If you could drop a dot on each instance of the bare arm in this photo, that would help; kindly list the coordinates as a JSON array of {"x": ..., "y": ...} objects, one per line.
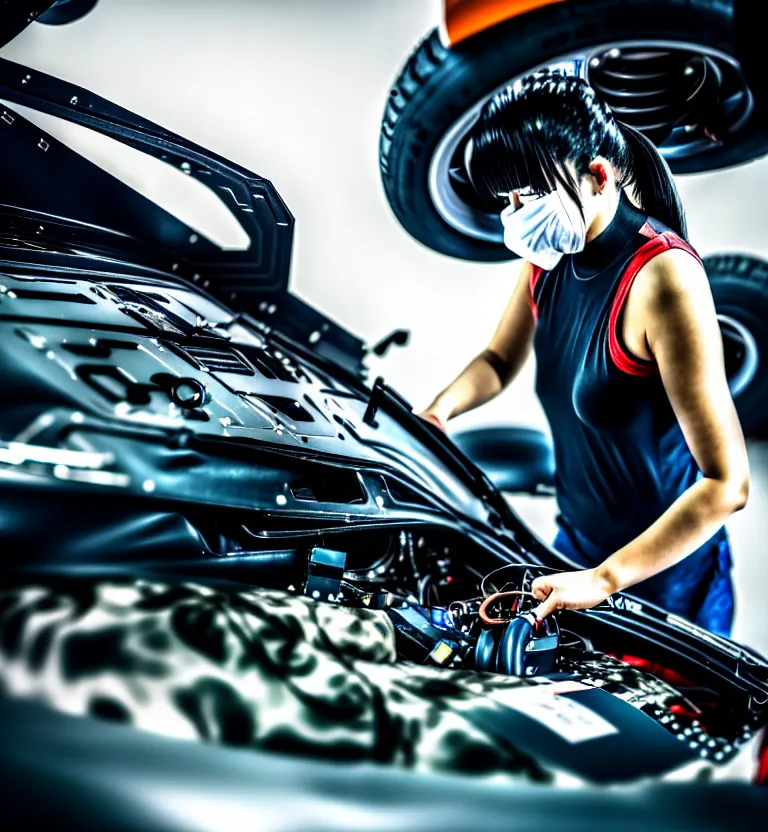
[
  {"x": 497, "y": 366},
  {"x": 683, "y": 336}
]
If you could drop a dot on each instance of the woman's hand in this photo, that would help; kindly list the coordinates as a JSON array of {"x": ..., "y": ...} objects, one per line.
[
  {"x": 431, "y": 416},
  {"x": 570, "y": 591}
]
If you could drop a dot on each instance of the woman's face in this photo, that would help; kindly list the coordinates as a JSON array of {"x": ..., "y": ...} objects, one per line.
[
  {"x": 595, "y": 195},
  {"x": 541, "y": 228}
]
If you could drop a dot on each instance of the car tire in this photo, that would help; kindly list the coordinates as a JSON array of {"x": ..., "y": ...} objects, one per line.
[
  {"x": 440, "y": 90},
  {"x": 740, "y": 290},
  {"x": 66, "y": 11}
]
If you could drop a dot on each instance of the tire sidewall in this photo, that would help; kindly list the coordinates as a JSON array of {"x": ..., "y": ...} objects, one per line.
[{"x": 740, "y": 290}]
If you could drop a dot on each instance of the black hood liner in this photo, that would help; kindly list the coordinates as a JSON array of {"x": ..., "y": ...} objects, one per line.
[{"x": 48, "y": 179}]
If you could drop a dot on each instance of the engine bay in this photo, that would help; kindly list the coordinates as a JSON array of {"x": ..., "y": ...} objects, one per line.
[{"x": 495, "y": 632}]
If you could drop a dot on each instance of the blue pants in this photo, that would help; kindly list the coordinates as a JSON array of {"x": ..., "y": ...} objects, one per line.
[{"x": 699, "y": 588}]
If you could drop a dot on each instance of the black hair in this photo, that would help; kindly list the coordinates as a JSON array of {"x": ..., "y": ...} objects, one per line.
[{"x": 523, "y": 138}]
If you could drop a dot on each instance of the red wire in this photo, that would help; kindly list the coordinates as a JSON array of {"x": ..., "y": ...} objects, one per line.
[
  {"x": 489, "y": 600},
  {"x": 761, "y": 772}
]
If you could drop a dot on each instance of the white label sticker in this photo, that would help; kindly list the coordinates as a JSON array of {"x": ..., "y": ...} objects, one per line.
[{"x": 570, "y": 719}]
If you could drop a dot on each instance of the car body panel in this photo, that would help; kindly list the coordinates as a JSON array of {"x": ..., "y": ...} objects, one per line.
[
  {"x": 90, "y": 770},
  {"x": 464, "y": 18}
]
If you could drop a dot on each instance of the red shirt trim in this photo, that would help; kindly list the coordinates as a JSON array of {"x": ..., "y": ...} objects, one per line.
[
  {"x": 657, "y": 243},
  {"x": 536, "y": 273}
]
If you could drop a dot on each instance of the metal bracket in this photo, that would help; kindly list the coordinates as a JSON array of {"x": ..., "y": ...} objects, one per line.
[{"x": 325, "y": 569}]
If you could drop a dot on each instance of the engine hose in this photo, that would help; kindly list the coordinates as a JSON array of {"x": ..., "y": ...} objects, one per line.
[
  {"x": 510, "y": 658},
  {"x": 485, "y": 650}
]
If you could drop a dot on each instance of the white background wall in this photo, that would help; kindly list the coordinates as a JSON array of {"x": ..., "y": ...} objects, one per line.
[{"x": 294, "y": 90}]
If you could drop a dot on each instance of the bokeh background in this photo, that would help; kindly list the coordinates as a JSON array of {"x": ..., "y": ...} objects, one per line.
[{"x": 294, "y": 90}]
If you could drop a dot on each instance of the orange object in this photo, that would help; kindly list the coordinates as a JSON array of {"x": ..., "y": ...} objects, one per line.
[{"x": 464, "y": 18}]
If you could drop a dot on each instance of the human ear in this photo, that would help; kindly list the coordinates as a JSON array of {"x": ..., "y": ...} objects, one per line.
[{"x": 599, "y": 174}]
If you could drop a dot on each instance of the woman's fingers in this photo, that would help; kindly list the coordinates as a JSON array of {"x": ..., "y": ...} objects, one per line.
[
  {"x": 541, "y": 588},
  {"x": 568, "y": 591},
  {"x": 548, "y": 606},
  {"x": 427, "y": 416}
]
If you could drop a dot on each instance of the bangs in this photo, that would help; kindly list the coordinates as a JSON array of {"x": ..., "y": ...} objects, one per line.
[{"x": 505, "y": 155}]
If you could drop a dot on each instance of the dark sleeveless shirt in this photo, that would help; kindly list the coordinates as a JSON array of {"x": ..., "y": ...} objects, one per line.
[{"x": 621, "y": 458}]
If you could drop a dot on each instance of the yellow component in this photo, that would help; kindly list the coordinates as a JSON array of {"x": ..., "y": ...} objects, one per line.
[
  {"x": 464, "y": 18},
  {"x": 441, "y": 652}
]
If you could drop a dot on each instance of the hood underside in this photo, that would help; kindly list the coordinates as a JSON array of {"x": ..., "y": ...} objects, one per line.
[{"x": 54, "y": 193}]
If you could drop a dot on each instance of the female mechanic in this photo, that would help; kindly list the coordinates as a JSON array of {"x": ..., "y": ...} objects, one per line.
[{"x": 616, "y": 306}]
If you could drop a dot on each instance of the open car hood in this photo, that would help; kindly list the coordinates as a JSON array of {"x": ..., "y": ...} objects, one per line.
[
  {"x": 113, "y": 310},
  {"x": 57, "y": 206},
  {"x": 52, "y": 186}
]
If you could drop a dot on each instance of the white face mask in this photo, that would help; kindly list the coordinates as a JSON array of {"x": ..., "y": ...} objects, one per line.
[{"x": 543, "y": 230}]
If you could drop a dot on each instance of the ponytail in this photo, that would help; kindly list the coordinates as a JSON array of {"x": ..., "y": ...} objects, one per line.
[{"x": 652, "y": 181}]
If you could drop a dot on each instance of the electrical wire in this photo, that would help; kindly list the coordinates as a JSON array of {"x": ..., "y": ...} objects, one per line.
[
  {"x": 578, "y": 641},
  {"x": 483, "y": 591},
  {"x": 528, "y": 575},
  {"x": 482, "y": 612}
]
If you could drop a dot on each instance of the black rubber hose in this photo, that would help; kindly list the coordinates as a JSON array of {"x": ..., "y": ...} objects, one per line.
[{"x": 510, "y": 657}]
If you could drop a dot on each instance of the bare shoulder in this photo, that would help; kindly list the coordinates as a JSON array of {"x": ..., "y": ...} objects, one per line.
[{"x": 672, "y": 280}]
